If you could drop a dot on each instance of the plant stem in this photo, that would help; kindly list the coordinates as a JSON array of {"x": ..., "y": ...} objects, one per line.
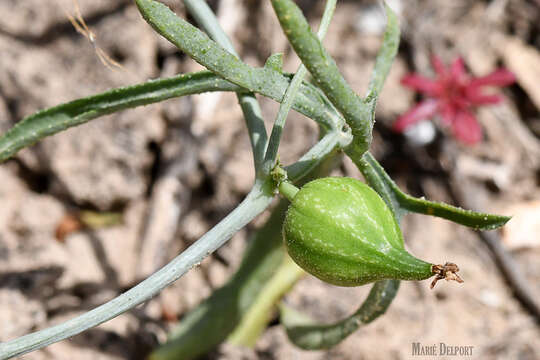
[
  {"x": 206, "y": 18},
  {"x": 288, "y": 190},
  {"x": 385, "y": 56},
  {"x": 329, "y": 143},
  {"x": 256, "y": 202},
  {"x": 256, "y": 319},
  {"x": 250, "y": 107},
  {"x": 266, "y": 81},
  {"x": 290, "y": 94},
  {"x": 209, "y": 323},
  {"x": 326, "y": 73}
]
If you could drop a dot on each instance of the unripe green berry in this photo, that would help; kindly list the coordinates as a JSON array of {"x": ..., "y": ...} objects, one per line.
[{"x": 341, "y": 231}]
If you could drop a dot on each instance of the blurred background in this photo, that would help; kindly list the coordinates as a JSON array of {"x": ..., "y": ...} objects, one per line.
[{"x": 86, "y": 214}]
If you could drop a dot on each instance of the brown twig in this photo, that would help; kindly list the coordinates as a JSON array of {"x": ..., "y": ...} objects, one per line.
[
  {"x": 511, "y": 273},
  {"x": 505, "y": 263}
]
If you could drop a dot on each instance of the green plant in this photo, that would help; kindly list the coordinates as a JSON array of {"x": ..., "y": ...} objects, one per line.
[{"x": 238, "y": 311}]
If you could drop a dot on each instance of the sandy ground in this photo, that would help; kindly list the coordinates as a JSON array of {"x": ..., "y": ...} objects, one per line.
[{"x": 175, "y": 169}]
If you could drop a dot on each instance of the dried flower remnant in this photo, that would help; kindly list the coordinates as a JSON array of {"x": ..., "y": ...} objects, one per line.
[
  {"x": 68, "y": 225},
  {"x": 82, "y": 28},
  {"x": 85, "y": 219},
  {"x": 447, "y": 272},
  {"x": 453, "y": 94}
]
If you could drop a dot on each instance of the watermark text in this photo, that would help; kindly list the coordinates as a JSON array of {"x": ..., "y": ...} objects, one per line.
[{"x": 441, "y": 349}]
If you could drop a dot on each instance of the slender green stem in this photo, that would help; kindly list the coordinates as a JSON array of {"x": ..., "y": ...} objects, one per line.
[
  {"x": 385, "y": 56},
  {"x": 255, "y": 320},
  {"x": 250, "y": 107},
  {"x": 206, "y": 18},
  {"x": 266, "y": 81},
  {"x": 210, "y": 322},
  {"x": 290, "y": 94},
  {"x": 255, "y": 203},
  {"x": 288, "y": 190},
  {"x": 326, "y": 73},
  {"x": 330, "y": 143}
]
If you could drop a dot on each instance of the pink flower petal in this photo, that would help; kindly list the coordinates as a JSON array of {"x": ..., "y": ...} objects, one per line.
[
  {"x": 421, "y": 84},
  {"x": 477, "y": 98},
  {"x": 458, "y": 69},
  {"x": 438, "y": 66},
  {"x": 500, "y": 77},
  {"x": 421, "y": 111},
  {"x": 448, "y": 113},
  {"x": 466, "y": 128}
]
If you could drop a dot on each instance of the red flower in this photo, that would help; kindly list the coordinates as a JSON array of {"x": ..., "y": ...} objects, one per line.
[{"x": 452, "y": 94}]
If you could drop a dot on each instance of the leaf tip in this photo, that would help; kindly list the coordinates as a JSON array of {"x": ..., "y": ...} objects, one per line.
[{"x": 275, "y": 62}]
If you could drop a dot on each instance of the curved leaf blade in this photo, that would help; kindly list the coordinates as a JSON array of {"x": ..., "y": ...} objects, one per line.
[
  {"x": 290, "y": 94},
  {"x": 53, "y": 120},
  {"x": 402, "y": 203},
  {"x": 308, "y": 335}
]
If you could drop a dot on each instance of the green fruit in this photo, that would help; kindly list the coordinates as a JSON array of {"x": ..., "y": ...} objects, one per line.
[{"x": 340, "y": 230}]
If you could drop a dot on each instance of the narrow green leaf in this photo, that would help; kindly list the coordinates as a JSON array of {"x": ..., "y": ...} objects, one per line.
[
  {"x": 266, "y": 80},
  {"x": 204, "y": 16},
  {"x": 308, "y": 335},
  {"x": 401, "y": 202},
  {"x": 326, "y": 73},
  {"x": 472, "y": 219},
  {"x": 53, "y": 120},
  {"x": 385, "y": 56}
]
